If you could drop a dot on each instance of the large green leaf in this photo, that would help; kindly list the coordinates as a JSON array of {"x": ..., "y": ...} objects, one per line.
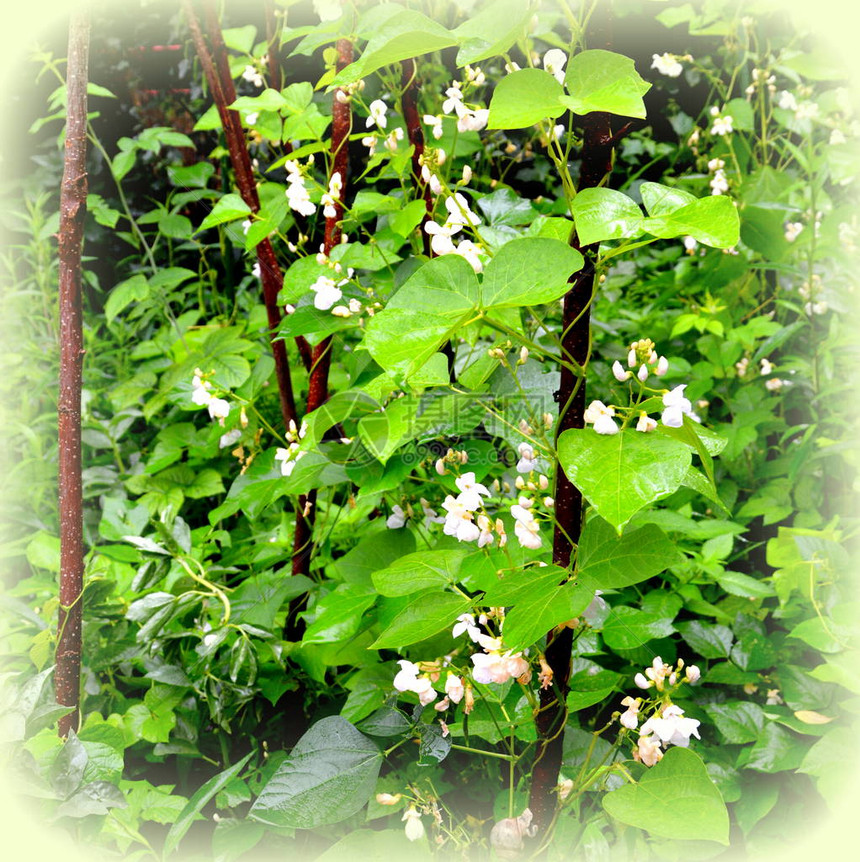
[
  {"x": 339, "y": 615},
  {"x": 629, "y": 628},
  {"x": 419, "y": 571},
  {"x": 430, "y": 306},
  {"x": 613, "y": 561},
  {"x": 329, "y": 776},
  {"x": 711, "y": 221},
  {"x": 536, "y": 614},
  {"x": 604, "y": 81},
  {"x": 491, "y": 31},
  {"x": 661, "y": 200},
  {"x": 622, "y": 473},
  {"x": 674, "y": 799},
  {"x": 405, "y": 34},
  {"x": 524, "y": 98},
  {"x": 428, "y": 613},
  {"x": 603, "y": 213},
  {"x": 529, "y": 271}
]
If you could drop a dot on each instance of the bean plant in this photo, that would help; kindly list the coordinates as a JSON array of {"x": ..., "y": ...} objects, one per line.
[{"x": 466, "y": 421}]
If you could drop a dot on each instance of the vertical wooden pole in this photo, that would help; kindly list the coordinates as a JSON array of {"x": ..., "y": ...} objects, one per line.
[
  {"x": 73, "y": 207},
  {"x": 596, "y": 164}
]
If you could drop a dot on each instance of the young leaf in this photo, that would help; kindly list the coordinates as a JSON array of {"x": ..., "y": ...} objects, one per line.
[
  {"x": 329, "y": 776},
  {"x": 491, "y": 31},
  {"x": 405, "y": 34},
  {"x": 196, "y": 803},
  {"x": 229, "y": 208}
]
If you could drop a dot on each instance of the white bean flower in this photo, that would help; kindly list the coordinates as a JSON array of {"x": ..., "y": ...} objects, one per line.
[{"x": 554, "y": 62}]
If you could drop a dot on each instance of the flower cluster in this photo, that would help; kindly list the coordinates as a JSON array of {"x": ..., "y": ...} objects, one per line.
[
  {"x": 495, "y": 664},
  {"x": 721, "y": 125},
  {"x": 331, "y": 197},
  {"x": 202, "y": 394},
  {"x": 419, "y": 679},
  {"x": 643, "y": 357},
  {"x": 297, "y": 194},
  {"x": 667, "y": 724},
  {"x": 459, "y": 216},
  {"x": 252, "y": 75},
  {"x": 719, "y": 184},
  {"x": 761, "y": 80},
  {"x": 468, "y": 119},
  {"x": 669, "y": 64},
  {"x": 290, "y": 456}
]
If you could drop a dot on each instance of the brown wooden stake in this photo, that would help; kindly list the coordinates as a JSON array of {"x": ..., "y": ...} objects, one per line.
[
  {"x": 73, "y": 208},
  {"x": 596, "y": 164},
  {"x": 217, "y": 71},
  {"x": 341, "y": 125}
]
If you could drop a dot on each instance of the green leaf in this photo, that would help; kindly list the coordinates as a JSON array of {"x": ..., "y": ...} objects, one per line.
[
  {"x": 240, "y": 39},
  {"x": 622, "y": 473},
  {"x": 662, "y": 200},
  {"x": 547, "y": 606},
  {"x": 528, "y": 271},
  {"x": 742, "y": 585},
  {"x": 419, "y": 571},
  {"x": 828, "y": 763},
  {"x": 196, "y": 803},
  {"x": 523, "y": 98},
  {"x": 329, "y": 776},
  {"x": 385, "y": 721},
  {"x": 405, "y": 34},
  {"x": 229, "y": 208},
  {"x": 776, "y": 750},
  {"x": 406, "y": 220},
  {"x": 613, "y": 561},
  {"x": 338, "y": 615},
  {"x": 430, "y": 306},
  {"x": 259, "y": 597},
  {"x": 604, "y": 81},
  {"x": 711, "y": 221},
  {"x": 491, "y": 31},
  {"x": 422, "y": 618},
  {"x": 629, "y": 628},
  {"x": 602, "y": 213},
  {"x": 739, "y": 722},
  {"x": 268, "y": 100},
  {"x": 134, "y": 289},
  {"x": 707, "y": 641},
  {"x": 678, "y": 783}
]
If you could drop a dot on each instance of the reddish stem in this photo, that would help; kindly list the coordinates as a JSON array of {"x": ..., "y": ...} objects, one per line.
[
  {"x": 73, "y": 208},
  {"x": 217, "y": 71}
]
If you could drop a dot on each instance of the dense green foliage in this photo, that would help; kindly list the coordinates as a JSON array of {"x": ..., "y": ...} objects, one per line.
[{"x": 234, "y": 710}]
